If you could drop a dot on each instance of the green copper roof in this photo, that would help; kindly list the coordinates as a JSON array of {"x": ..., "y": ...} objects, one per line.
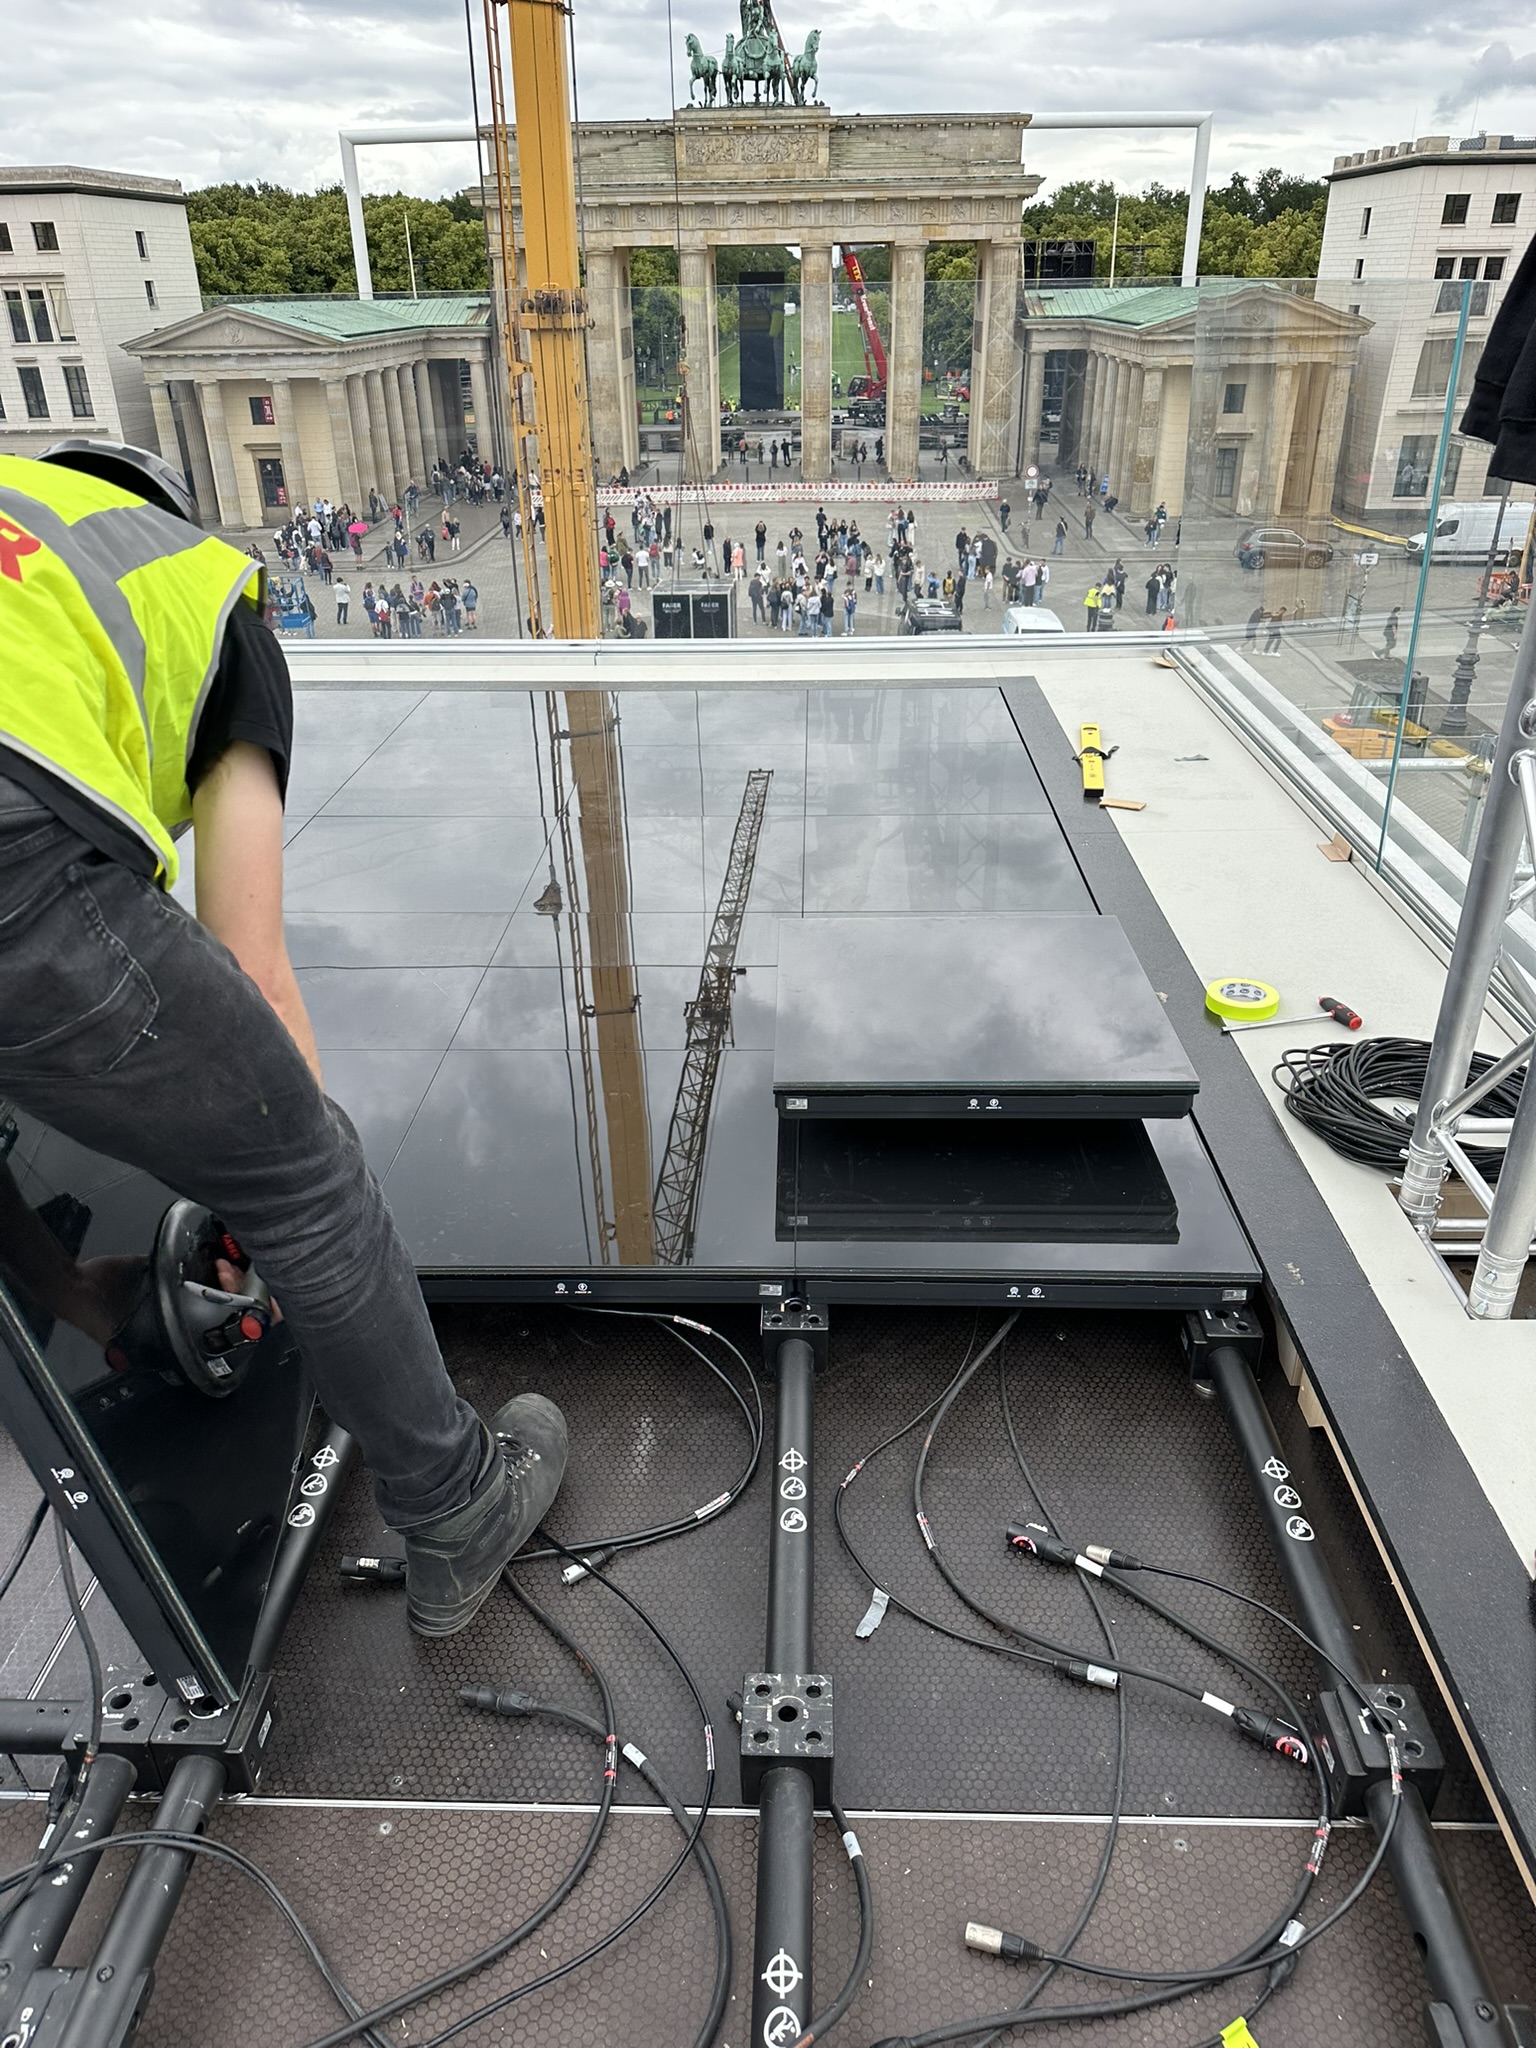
[
  {"x": 1131, "y": 305},
  {"x": 356, "y": 319}
]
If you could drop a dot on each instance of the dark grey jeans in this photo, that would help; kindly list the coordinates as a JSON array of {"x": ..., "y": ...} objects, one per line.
[{"x": 128, "y": 1027}]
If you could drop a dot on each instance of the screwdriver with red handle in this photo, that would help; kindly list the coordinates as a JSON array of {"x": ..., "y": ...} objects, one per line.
[{"x": 1341, "y": 1013}]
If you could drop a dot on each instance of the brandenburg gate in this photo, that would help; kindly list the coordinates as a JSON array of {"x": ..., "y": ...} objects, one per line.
[{"x": 750, "y": 177}]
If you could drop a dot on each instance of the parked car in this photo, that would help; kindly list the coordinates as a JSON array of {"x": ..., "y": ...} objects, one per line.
[
  {"x": 1279, "y": 547},
  {"x": 929, "y": 615},
  {"x": 1465, "y": 532},
  {"x": 1031, "y": 618}
]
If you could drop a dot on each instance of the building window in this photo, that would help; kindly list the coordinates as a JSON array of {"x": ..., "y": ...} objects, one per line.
[
  {"x": 149, "y": 291},
  {"x": 45, "y": 234},
  {"x": 1415, "y": 459},
  {"x": 1470, "y": 265},
  {"x": 63, "y": 318},
  {"x": 261, "y": 413},
  {"x": 1454, "y": 212},
  {"x": 5, "y": 239},
  {"x": 42, "y": 326},
  {"x": 2, "y": 408},
  {"x": 1493, "y": 269},
  {"x": 1433, "y": 372},
  {"x": 1359, "y": 266},
  {"x": 1506, "y": 209},
  {"x": 1449, "y": 299},
  {"x": 1365, "y": 223},
  {"x": 1234, "y": 398},
  {"x": 79, "y": 391},
  {"x": 1226, "y": 472},
  {"x": 32, "y": 391},
  {"x": 1479, "y": 304},
  {"x": 141, "y": 244},
  {"x": 1445, "y": 266},
  {"x": 1355, "y": 308},
  {"x": 18, "y": 316}
]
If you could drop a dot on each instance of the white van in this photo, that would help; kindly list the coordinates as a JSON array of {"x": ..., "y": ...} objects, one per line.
[{"x": 1464, "y": 532}]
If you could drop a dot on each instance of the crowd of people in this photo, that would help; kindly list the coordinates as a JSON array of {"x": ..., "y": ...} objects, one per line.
[{"x": 404, "y": 612}]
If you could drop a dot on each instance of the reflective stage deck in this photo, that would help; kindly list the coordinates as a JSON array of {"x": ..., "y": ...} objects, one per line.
[{"x": 499, "y": 904}]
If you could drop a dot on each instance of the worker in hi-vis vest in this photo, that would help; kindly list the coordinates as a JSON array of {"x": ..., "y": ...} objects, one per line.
[{"x": 140, "y": 692}]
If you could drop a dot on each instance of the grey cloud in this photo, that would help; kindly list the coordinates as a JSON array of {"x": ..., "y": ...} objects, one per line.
[{"x": 1498, "y": 70}]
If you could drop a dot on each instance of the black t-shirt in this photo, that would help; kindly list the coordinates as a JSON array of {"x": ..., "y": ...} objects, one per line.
[{"x": 250, "y": 698}]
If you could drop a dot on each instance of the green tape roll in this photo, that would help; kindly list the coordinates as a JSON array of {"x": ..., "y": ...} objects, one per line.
[{"x": 1241, "y": 999}]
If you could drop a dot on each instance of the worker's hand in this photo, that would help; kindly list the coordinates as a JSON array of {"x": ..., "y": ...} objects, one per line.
[{"x": 232, "y": 1280}]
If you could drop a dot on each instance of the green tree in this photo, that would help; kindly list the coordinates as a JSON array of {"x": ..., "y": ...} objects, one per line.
[
  {"x": 237, "y": 228},
  {"x": 1267, "y": 226},
  {"x": 237, "y": 255}
]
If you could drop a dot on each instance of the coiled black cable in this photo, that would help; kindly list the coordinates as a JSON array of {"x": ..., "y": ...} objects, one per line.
[{"x": 1337, "y": 1091}]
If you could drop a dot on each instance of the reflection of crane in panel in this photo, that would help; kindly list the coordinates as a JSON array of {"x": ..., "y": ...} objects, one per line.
[{"x": 676, "y": 1205}]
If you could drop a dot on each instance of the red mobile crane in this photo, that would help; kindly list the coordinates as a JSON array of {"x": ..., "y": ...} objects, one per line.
[{"x": 872, "y": 383}]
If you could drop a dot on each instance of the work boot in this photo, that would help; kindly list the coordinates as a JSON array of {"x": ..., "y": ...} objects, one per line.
[{"x": 453, "y": 1562}]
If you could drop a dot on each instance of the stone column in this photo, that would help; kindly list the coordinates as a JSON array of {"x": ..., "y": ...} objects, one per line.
[
  {"x": 1109, "y": 412},
  {"x": 605, "y": 369},
  {"x": 394, "y": 416},
  {"x": 1082, "y": 455},
  {"x": 1147, "y": 424},
  {"x": 1116, "y": 463},
  {"x": 165, "y": 421},
  {"x": 378, "y": 426},
  {"x": 1277, "y": 441},
  {"x": 816, "y": 361},
  {"x": 415, "y": 447},
  {"x": 485, "y": 418},
  {"x": 904, "y": 386},
  {"x": 1034, "y": 398},
  {"x": 197, "y": 451},
  {"x": 426, "y": 412},
  {"x": 288, "y": 437},
  {"x": 362, "y": 440},
  {"x": 701, "y": 344},
  {"x": 1330, "y": 441},
  {"x": 995, "y": 355},
  {"x": 348, "y": 491},
  {"x": 226, "y": 486}
]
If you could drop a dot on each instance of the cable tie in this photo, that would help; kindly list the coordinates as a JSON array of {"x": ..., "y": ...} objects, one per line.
[
  {"x": 1211, "y": 1699},
  {"x": 635, "y": 1756},
  {"x": 922, "y": 1523},
  {"x": 1292, "y": 1933},
  {"x": 851, "y": 1844},
  {"x": 687, "y": 1323},
  {"x": 849, "y": 1477},
  {"x": 1237, "y": 2035},
  {"x": 1320, "y": 1835},
  {"x": 709, "y": 1747},
  {"x": 874, "y": 1613},
  {"x": 711, "y": 1507},
  {"x": 1087, "y": 1564}
]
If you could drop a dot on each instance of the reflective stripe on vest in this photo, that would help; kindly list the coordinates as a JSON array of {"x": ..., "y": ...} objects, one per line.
[{"x": 112, "y": 615}]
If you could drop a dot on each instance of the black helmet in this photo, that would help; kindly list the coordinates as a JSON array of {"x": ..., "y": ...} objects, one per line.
[{"x": 132, "y": 469}]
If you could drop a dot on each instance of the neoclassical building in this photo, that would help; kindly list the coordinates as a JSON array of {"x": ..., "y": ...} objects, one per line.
[
  {"x": 806, "y": 178},
  {"x": 268, "y": 403},
  {"x": 1226, "y": 399}
]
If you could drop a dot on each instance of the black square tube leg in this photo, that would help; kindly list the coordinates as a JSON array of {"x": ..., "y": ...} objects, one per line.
[
  {"x": 781, "y": 1966},
  {"x": 1465, "y": 2013}
]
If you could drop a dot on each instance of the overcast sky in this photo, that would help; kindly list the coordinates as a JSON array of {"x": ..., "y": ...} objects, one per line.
[{"x": 204, "y": 90}]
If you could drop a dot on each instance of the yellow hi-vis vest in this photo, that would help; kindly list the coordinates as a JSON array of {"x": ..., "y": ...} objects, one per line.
[{"x": 112, "y": 613}]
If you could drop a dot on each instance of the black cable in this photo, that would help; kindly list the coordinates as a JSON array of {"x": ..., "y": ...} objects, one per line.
[
  {"x": 1334, "y": 1090},
  {"x": 605, "y": 1547},
  {"x": 643, "y": 1766},
  {"x": 23, "y": 1549},
  {"x": 444, "y": 1980},
  {"x": 88, "y": 1644},
  {"x": 823, "y": 2022},
  {"x": 596, "y": 1948}
]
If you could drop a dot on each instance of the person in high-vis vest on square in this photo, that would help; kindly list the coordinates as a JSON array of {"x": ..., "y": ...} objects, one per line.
[{"x": 140, "y": 692}]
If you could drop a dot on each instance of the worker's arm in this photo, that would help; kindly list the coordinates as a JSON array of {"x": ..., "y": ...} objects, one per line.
[{"x": 237, "y": 814}]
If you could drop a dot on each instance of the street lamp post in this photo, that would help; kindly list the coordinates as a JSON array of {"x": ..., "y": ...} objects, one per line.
[{"x": 1454, "y": 724}]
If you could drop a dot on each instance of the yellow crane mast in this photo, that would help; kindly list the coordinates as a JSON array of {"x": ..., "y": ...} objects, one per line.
[{"x": 547, "y": 307}]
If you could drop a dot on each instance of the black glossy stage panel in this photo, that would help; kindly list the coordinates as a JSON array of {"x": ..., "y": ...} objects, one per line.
[
  {"x": 540, "y": 937},
  {"x": 972, "y": 1017}
]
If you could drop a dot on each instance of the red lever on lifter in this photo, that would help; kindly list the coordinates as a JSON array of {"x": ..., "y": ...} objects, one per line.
[{"x": 1341, "y": 1013}]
